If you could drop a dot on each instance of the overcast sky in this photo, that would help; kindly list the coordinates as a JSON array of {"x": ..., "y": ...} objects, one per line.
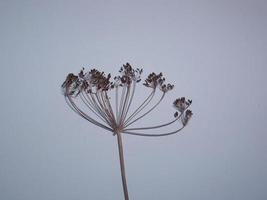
[{"x": 214, "y": 52}]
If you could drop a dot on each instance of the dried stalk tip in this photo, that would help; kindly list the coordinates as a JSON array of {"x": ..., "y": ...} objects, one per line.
[
  {"x": 93, "y": 80},
  {"x": 157, "y": 80},
  {"x": 181, "y": 104},
  {"x": 99, "y": 80},
  {"x": 186, "y": 117},
  {"x": 128, "y": 75},
  {"x": 71, "y": 85}
]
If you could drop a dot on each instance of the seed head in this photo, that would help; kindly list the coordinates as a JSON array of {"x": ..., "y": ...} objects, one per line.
[
  {"x": 93, "y": 88},
  {"x": 186, "y": 117},
  {"x": 181, "y": 104}
]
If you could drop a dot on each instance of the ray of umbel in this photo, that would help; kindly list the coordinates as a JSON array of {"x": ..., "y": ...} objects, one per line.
[{"x": 89, "y": 95}]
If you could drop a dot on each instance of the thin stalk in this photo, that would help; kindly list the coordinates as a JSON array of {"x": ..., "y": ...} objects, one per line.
[
  {"x": 158, "y": 126},
  {"x": 122, "y": 166},
  {"x": 129, "y": 123},
  {"x": 141, "y": 107},
  {"x": 109, "y": 107},
  {"x": 154, "y": 135},
  {"x": 153, "y": 127},
  {"x": 121, "y": 104},
  {"x": 131, "y": 99},
  {"x": 73, "y": 106},
  {"x": 88, "y": 104},
  {"x": 124, "y": 105},
  {"x": 116, "y": 103},
  {"x": 100, "y": 111}
]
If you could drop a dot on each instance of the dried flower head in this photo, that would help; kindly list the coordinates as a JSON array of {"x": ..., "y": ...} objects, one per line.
[
  {"x": 89, "y": 95},
  {"x": 181, "y": 104},
  {"x": 157, "y": 80},
  {"x": 186, "y": 117}
]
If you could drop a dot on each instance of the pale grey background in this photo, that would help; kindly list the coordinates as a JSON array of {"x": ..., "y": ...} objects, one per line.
[{"x": 214, "y": 52}]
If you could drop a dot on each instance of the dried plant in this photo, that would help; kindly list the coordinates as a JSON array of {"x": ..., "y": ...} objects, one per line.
[{"x": 88, "y": 94}]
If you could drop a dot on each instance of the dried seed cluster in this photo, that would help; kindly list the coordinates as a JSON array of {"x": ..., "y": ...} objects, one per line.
[
  {"x": 93, "y": 89},
  {"x": 128, "y": 75},
  {"x": 157, "y": 80}
]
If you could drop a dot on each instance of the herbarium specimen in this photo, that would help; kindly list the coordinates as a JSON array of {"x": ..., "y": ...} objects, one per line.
[{"x": 89, "y": 94}]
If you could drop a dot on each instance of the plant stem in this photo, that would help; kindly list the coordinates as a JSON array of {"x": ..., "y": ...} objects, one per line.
[{"x": 123, "y": 175}]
